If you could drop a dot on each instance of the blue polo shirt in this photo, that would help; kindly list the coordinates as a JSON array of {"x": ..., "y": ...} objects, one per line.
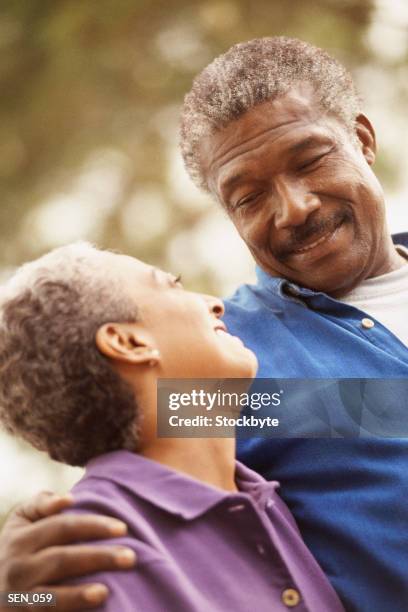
[{"x": 349, "y": 496}]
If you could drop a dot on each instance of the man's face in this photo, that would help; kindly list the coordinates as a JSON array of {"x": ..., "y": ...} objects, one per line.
[{"x": 300, "y": 192}]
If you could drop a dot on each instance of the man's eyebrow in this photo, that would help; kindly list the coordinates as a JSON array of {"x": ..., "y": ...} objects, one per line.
[
  {"x": 308, "y": 143},
  {"x": 232, "y": 180}
]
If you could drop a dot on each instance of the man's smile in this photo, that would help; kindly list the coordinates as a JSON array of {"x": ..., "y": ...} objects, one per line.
[
  {"x": 318, "y": 247},
  {"x": 314, "y": 243},
  {"x": 313, "y": 238}
]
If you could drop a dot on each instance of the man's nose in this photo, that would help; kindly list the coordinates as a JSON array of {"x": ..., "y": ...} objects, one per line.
[
  {"x": 294, "y": 205},
  {"x": 215, "y": 305}
]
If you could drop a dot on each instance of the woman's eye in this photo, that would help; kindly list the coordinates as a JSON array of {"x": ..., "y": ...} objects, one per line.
[{"x": 177, "y": 280}]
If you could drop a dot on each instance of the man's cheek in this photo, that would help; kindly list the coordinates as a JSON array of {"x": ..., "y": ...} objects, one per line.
[
  {"x": 255, "y": 233},
  {"x": 340, "y": 173}
]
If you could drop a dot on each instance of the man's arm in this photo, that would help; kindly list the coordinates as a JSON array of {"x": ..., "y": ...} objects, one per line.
[{"x": 37, "y": 550}]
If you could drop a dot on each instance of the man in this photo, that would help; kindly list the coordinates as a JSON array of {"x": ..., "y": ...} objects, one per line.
[{"x": 274, "y": 130}]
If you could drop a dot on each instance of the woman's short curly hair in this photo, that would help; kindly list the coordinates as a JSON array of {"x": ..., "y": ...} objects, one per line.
[
  {"x": 256, "y": 71},
  {"x": 56, "y": 389}
]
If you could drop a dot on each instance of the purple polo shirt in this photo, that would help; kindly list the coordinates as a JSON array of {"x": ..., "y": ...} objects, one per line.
[{"x": 199, "y": 548}]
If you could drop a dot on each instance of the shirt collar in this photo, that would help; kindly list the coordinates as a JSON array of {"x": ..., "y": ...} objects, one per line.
[
  {"x": 168, "y": 489},
  {"x": 288, "y": 290},
  {"x": 280, "y": 286}
]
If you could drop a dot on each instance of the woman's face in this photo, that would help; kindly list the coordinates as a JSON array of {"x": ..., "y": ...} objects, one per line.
[{"x": 185, "y": 327}]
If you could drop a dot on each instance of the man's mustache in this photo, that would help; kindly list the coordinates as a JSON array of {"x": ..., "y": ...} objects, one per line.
[{"x": 315, "y": 228}]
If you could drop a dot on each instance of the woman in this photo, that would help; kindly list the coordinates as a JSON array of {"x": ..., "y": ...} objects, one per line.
[{"x": 85, "y": 335}]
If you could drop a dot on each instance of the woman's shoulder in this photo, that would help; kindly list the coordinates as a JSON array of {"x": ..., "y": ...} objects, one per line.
[{"x": 104, "y": 497}]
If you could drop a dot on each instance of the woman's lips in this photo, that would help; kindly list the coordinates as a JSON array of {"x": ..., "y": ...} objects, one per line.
[
  {"x": 220, "y": 331},
  {"x": 220, "y": 327}
]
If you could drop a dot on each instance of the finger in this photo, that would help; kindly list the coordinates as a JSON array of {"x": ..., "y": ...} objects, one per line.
[
  {"x": 82, "y": 597},
  {"x": 47, "y": 505},
  {"x": 41, "y": 505},
  {"x": 62, "y": 562},
  {"x": 66, "y": 529}
]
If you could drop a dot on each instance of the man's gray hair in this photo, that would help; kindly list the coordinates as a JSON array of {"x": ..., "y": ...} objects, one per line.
[
  {"x": 254, "y": 72},
  {"x": 56, "y": 389}
]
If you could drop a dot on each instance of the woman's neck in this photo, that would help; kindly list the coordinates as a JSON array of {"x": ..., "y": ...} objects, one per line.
[{"x": 210, "y": 460}]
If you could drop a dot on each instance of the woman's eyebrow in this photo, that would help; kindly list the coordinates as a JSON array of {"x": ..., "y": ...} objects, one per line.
[
  {"x": 160, "y": 277},
  {"x": 155, "y": 275}
]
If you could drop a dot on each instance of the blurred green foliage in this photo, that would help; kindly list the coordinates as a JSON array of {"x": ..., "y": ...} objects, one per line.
[
  {"x": 79, "y": 78},
  {"x": 82, "y": 76}
]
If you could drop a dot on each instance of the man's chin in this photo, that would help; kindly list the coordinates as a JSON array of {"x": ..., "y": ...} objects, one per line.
[
  {"x": 327, "y": 281},
  {"x": 329, "y": 266}
]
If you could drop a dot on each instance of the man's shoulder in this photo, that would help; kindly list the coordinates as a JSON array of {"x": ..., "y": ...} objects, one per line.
[
  {"x": 400, "y": 238},
  {"x": 253, "y": 307},
  {"x": 250, "y": 297},
  {"x": 242, "y": 292}
]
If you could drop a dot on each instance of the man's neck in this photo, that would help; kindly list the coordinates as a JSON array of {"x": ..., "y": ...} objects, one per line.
[
  {"x": 387, "y": 261},
  {"x": 210, "y": 460},
  {"x": 392, "y": 260}
]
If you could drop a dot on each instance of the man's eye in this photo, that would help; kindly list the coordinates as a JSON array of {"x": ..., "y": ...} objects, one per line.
[
  {"x": 311, "y": 163},
  {"x": 248, "y": 199}
]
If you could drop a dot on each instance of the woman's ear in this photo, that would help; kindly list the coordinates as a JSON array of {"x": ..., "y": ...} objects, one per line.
[
  {"x": 366, "y": 135},
  {"x": 126, "y": 342}
]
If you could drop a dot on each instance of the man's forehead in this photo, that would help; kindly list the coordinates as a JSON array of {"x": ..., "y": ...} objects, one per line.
[
  {"x": 270, "y": 120},
  {"x": 278, "y": 149},
  {"x": 230, "y": 173}
]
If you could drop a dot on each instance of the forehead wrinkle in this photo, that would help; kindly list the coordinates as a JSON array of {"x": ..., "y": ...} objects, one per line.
[
  {"x": 230, "y": 179},
  {"x": 216, "y": 158},
  {"x": 215, "y": 173}
]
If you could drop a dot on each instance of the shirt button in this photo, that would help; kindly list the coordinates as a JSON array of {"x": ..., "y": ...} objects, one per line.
[
  {"x": 290, "y": 597},
  {"x": 270, "y": 503},
  {"x": 292, "y": 290},
  {"x": 367, "y": 323}
]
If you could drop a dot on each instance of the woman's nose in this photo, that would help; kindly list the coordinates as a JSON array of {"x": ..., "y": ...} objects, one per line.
[{"x": 215, "y": 305}]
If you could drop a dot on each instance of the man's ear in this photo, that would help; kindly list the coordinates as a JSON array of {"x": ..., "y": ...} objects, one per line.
[
  {"x": 126, "y": 342},
  {"x": 366, "y": 135}
]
